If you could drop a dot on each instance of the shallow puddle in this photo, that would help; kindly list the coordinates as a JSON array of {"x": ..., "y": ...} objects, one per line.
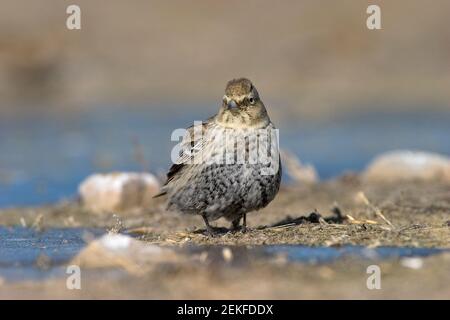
[
  {"x": 28, "y": 254},
  {"x": 312, "y": 255},
  {"x": 329, "y": 254}
]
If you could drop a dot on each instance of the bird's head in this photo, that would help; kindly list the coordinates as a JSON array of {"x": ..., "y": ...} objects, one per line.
[{"x": 241, "y": 106}]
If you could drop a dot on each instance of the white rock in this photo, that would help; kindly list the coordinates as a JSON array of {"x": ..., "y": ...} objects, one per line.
[
  {"x": 115, "y": 241},
  {"x": 124, "y": 252},
  {"x": 117, "y": 191},
  {"x": 412, "y": 263},
  {"x": 227, "y": 254},
  {"x": 298, "y": 171},
  {"x": 404, "y": 165}
]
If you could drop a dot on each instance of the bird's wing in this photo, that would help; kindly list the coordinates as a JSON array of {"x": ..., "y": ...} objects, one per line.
[{"x": 192, "y": 144}]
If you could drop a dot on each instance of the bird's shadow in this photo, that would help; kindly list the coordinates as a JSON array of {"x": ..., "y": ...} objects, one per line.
[
  {"x": 313, "y": 217},
  {"x": 218, "y": 231}
]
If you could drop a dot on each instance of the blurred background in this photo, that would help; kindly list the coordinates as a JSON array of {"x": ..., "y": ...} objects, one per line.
[{"x": 108, "y": 96}]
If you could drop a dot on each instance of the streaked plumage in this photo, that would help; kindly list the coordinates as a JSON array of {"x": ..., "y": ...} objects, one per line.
[{"x": 219, "y": 173}]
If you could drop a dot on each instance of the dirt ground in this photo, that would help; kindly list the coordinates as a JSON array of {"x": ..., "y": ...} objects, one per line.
[
  {"x": 409, "y": 214},
  {"x": 402, "y": 214}
]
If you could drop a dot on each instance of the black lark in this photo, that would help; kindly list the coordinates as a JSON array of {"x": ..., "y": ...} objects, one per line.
[{"x": 229, "y": 164}]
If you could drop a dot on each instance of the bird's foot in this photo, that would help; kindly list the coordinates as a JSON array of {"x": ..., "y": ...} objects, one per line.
[
  {"x": 238, "y": 228},
  {"x": 235, "y": 226},
  {"x": 215, "y": 231},
  {"x": 212, "y": 231}
]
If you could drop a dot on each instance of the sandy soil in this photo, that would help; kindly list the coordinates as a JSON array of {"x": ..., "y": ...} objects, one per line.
[{"x": 418, "y": 213}]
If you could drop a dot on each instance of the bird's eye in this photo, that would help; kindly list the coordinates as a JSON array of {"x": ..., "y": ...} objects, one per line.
[{"x": 251, "y": 100}]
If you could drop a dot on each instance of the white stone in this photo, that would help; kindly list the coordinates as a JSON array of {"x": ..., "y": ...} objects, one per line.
[
  {"x": 117, "y": 191},
  {"x": 401, "y": 165},
  {"x": 412, "y": 263},
  {"x": 298, "y": 171},
  {"x": 227, "y": 254},
  {"x": 124, "y": 252},
  {"x": 115, "y": 241}
]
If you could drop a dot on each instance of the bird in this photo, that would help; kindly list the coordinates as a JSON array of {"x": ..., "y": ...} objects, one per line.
[{"x": 229, "y": 164}]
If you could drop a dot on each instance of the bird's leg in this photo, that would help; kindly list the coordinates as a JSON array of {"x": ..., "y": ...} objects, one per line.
[
  {"x": 235, "y": 224},
  {"x": 244, "y": 223},
  {"x": 209, "y": 229}
]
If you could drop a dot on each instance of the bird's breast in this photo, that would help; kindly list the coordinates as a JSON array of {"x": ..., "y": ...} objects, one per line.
[{"x": 241, "y": 146}]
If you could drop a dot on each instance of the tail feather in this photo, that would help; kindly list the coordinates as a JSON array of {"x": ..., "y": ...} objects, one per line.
[{"x": 162, "y": 193}]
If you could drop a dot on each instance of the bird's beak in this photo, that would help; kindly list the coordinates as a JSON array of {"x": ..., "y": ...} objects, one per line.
[{"x": 231, "y": 104}]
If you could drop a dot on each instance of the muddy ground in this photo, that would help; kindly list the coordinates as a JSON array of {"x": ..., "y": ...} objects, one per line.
[{"x": 335, "y": 213}]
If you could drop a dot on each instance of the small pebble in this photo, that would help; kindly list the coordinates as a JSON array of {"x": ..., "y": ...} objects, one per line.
[
  {"x": 412, "y": 263},
  {"x": 227, "y": 254}
]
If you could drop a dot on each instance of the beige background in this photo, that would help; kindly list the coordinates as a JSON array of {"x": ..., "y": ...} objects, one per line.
[{"x": 308, "y": 58}]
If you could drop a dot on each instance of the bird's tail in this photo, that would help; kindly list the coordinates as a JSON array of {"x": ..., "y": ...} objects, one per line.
[{"x": 160, "y": 194}]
